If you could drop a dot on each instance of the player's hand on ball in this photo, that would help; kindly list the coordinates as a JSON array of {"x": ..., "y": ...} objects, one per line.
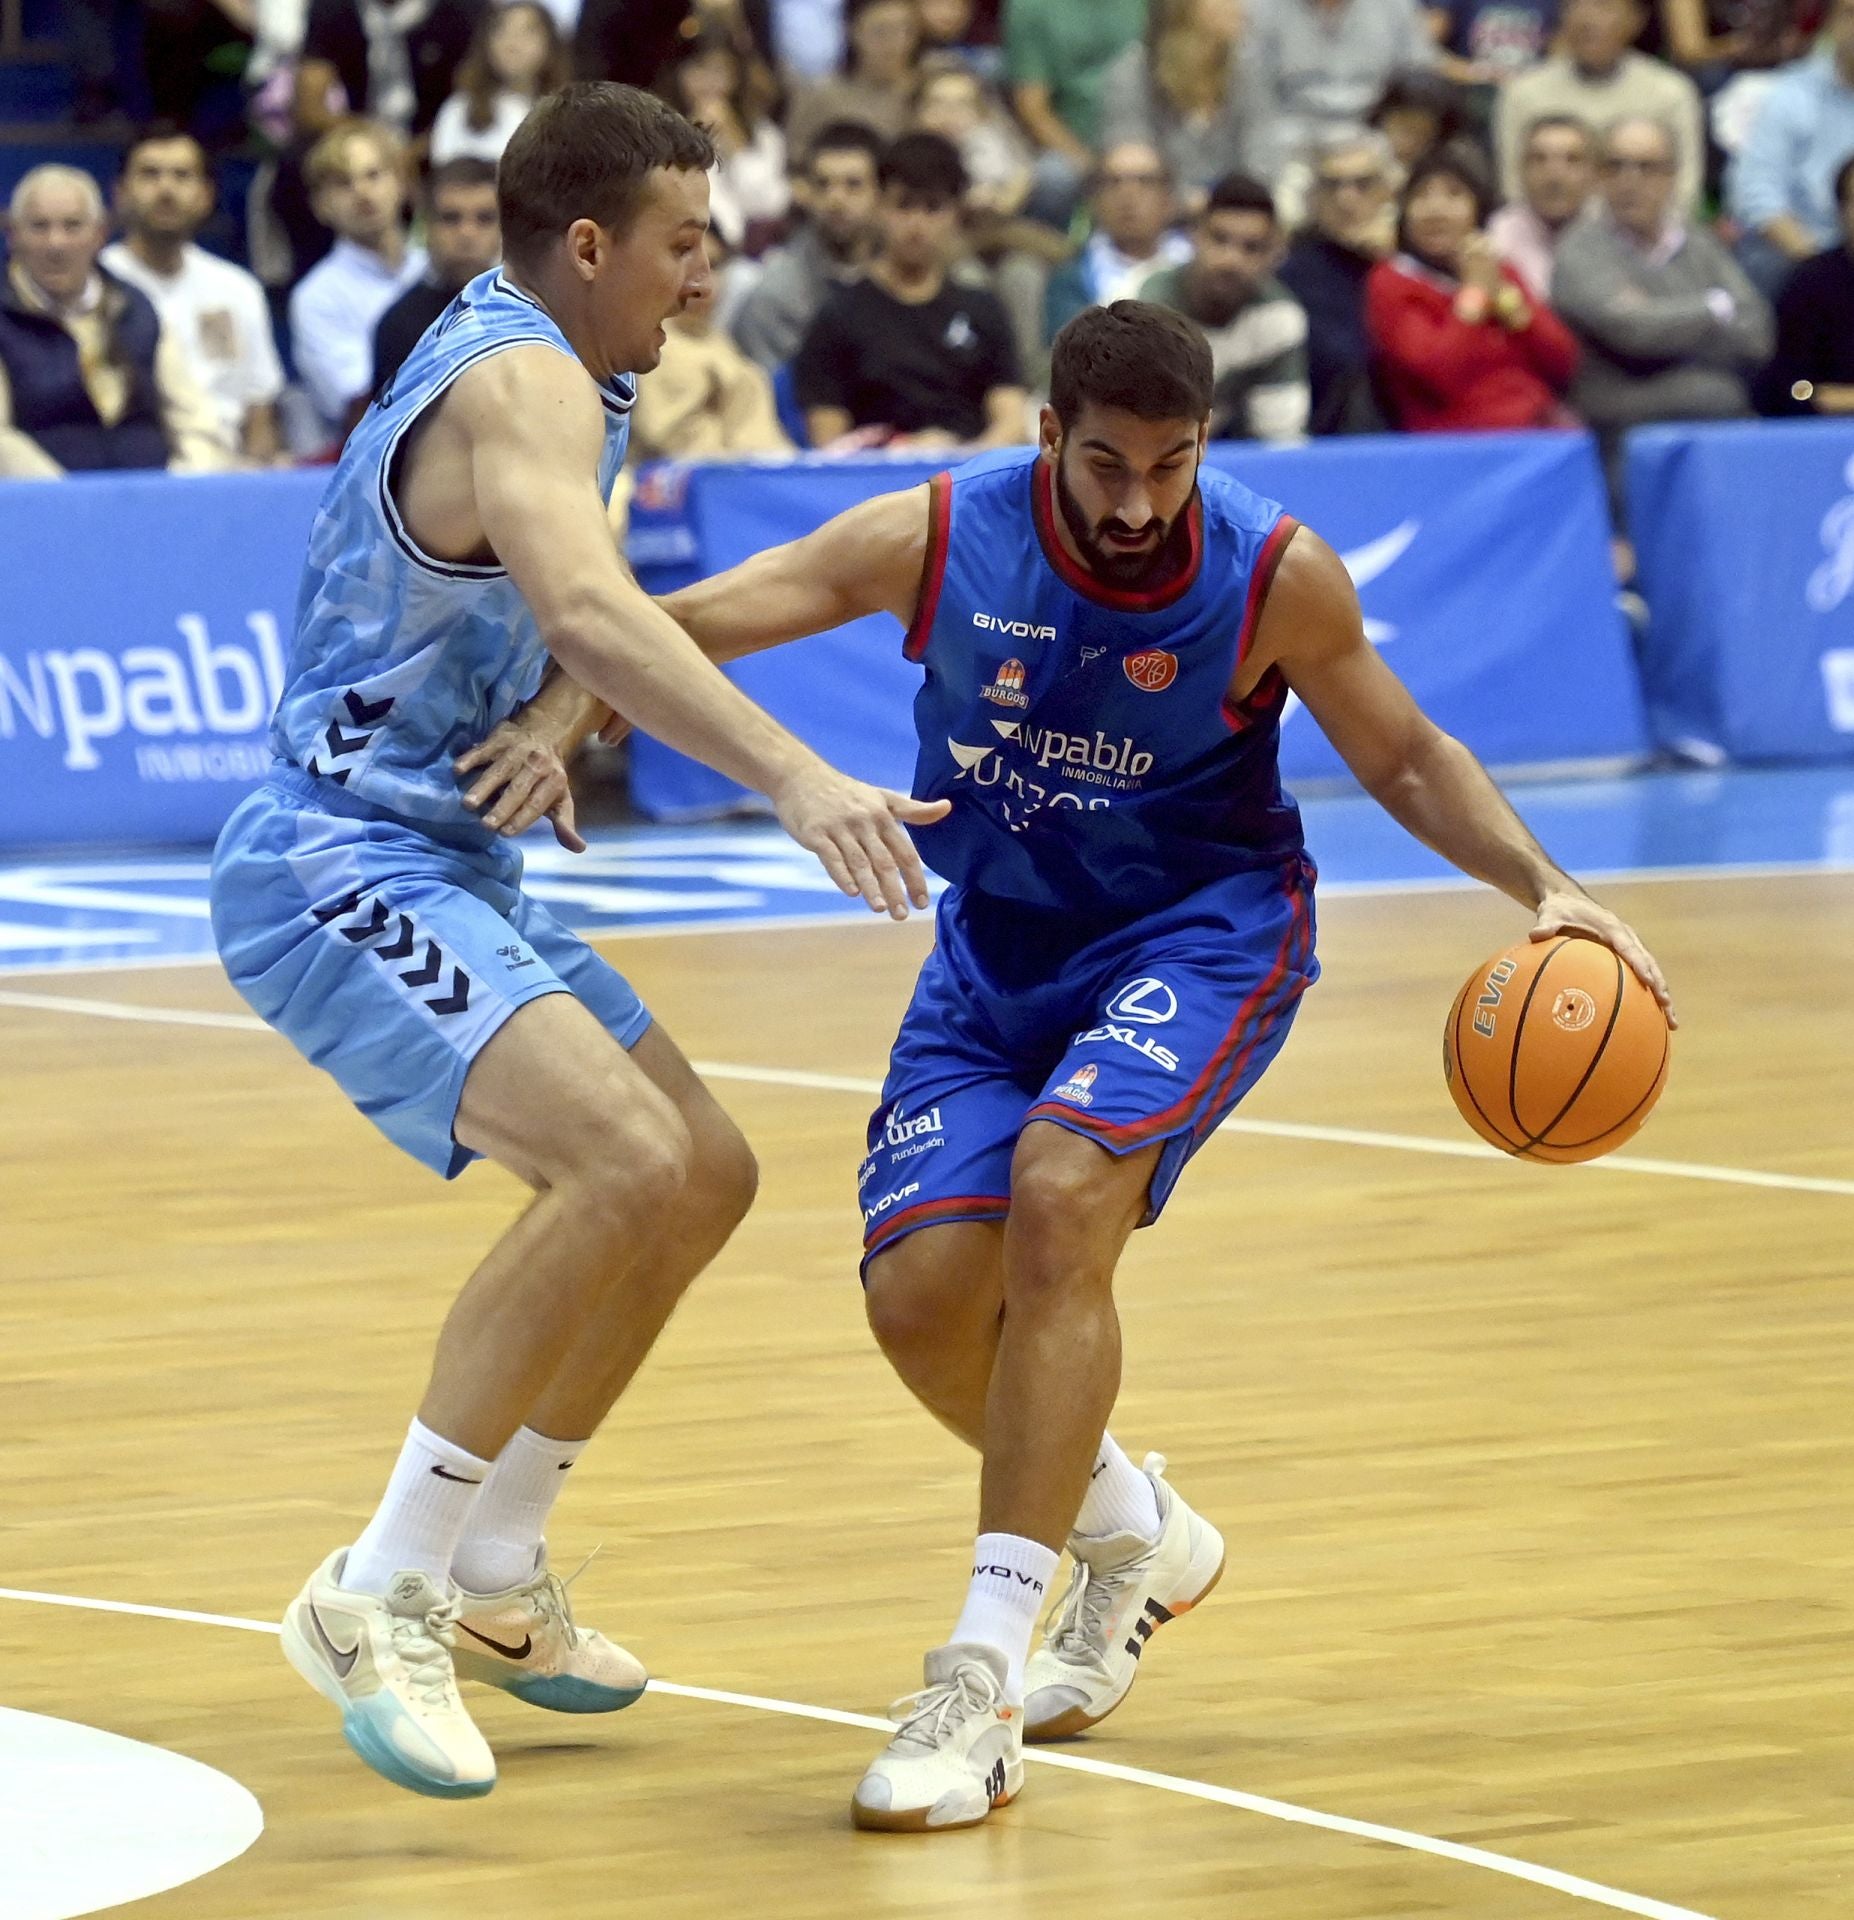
[
  {"x": 1578, "y": 913},
  {"x": 856, "y": 832},
  {"x": 522, "y": 779}
]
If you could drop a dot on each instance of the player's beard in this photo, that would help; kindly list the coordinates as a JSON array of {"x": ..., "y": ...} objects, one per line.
[{"x": 1127, "y": 572}]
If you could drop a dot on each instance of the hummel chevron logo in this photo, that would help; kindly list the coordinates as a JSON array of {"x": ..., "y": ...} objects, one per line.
[
  {"x": 459, "y": 996},
  {"x": 426, "y": 975},
  {"x": 364, "y": 714},
  {"x": 348, "y": 903},
  {"x": 372, "y": 929},
  {"x": 496, "y": 1646},
  {"x": 403, "y": 942},
  {"x": 342, "y": 1662}
]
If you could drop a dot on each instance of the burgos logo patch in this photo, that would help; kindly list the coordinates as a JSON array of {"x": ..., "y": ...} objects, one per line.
[
  {"x": 1075, "y": 1087},
  {"x": 1008, "y": 689},
  {"x": 1151, "y": 671}
]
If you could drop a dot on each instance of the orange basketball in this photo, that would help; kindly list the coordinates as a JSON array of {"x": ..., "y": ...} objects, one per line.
[{"x": 1554, "y": 1050}]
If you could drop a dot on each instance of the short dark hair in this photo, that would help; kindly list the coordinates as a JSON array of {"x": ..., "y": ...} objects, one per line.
[
  {"x": 846, "y": 136},
  {"x": 1422, "y": 90},
  {"x": 1239, "y": 193},
  {"x": 1144, "y": 359},
  {"x": 467, "y": 170},
  {"x": 584, "y": 153},
  {"x": 1458, "y": 160},
  {"x": 926, "y": 165},
  {"x": 160, "y": 133}
]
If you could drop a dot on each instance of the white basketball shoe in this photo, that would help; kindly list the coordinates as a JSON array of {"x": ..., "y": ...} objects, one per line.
[
  {"x": 958, "y": 1749},
  {"x": 1122, "y": 1590},
  {"x": 385, "y": 1661},
  {"x": 524, "y": 1640}
]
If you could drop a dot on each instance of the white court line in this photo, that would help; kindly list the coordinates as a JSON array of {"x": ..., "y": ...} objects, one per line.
[
  {"x": 851, "y": 1083},
  {"x": 1566, "y": 1883}
]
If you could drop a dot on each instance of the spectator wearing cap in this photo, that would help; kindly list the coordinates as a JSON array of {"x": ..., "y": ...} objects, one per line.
[
  {"x": 1459, "y": 341},
  {"x": 1352, "y": 228},
  {"x": 1599, "y": 78},
  {"x": 1557, "y": 176},
  {"x": 88, "y": 379},
  {"x": 517, "y": 55},
  {"x": 1257, "y": 330},
  {"x": 906, "y": 354},
  {"x": 878, "y": 87},
  {"x": 1812, "y": 370},
  {"x": 356, "y": 179},
  {"x": 1780, "y": 186},
  {"x": 1672, "y": 329},
  {"x": 1134, "y": 209},
  {"x": 463, "y": 237},
  {"x": 1184, "y": 89},
  {"x": 834, "y": 245},
  {"x": 215, "y": 313}
]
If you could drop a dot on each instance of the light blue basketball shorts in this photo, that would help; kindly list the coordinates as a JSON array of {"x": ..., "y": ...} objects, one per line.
[{"x": 388, "y": 955}]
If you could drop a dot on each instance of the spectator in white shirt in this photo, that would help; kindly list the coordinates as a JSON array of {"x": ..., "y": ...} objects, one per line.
[
  {"x": 517, "y": 55},
  {"x": 357, "y": 184},
  {"x": 213, "y": 311},
  {"x": 1557, "y": 176}
]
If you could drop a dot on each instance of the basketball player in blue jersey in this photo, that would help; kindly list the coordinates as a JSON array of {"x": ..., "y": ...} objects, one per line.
[
  {"x": 369, "y": 915},
  {"x": 1108, "y": 633}
]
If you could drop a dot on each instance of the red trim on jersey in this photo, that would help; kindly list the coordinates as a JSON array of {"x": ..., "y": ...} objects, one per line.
[
  {"x": 933, "y": 567},
  {"x": 968, "y": 1206},
  {"x": 1238, "y": 715},
  {"x": 1043, "y": 512}
]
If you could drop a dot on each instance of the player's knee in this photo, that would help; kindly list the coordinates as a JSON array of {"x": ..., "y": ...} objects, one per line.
[
  {"x": 727, "y": 1176},
  {"x": 632, "y": 1168},
  {"x": 910, "y": 1303}
]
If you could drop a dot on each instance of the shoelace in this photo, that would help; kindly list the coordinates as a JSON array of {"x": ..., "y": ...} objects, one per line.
[
  {"x": 418, "y": 1640},
  {"x": 926, "y": 1718},
  {"x": 1078, "y": 1634},
  {"x": 551, "y": 1601}
]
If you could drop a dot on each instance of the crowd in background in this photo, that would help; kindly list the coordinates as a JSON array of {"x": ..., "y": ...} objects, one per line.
[{"x": 1384, "y": 215}]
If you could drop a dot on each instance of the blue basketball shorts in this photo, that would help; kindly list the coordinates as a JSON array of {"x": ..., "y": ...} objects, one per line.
[
  {"x": 1151, "y": 1033},
  {"x": 389, "y": 956}
]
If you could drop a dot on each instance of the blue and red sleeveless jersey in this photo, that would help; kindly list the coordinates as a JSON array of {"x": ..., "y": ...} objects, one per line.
[{"x": 1085, "y": 735}]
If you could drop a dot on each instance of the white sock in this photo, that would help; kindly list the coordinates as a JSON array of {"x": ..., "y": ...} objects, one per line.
[
  {"x": 510, "y": 1516},
  {"x": 1119, "y": 1499},
  {"x": 422, "y": 1517},
  {"x": 1010, "y": 1582}
]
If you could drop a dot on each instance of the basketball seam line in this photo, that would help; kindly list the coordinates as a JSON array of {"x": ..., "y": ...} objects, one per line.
[
  {"x": 1575, "y": 1145},
  {"x": 1519, "y": 1028},
  {"x": 1461, "y": 1073},
  {"x": 1615, "y": 1014}
]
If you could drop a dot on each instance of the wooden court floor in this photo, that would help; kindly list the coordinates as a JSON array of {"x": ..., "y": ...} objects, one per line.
[{"x": 1537, "y": 1481}]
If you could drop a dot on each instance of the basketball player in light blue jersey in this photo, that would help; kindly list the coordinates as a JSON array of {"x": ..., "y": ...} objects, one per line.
[
  {"x": 1108, "y": 634},
  {"x": 367, "y": 913}
]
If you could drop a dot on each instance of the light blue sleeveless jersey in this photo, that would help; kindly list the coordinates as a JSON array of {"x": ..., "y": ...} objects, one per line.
[{"x": 400, "y": 661}]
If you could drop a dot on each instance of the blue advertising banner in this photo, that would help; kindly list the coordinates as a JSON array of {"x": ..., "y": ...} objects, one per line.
[
  {"x": 1744, "y": 537},
  {"x": 1482, "y": 563},
  {"x": 142, "y": 630}
]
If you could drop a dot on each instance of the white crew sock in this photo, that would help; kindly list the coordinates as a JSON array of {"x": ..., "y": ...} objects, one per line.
[
  {"x": 1010, "y": 1582},
  {"x": 1119, "y": 1499},
  {"x": 504, "y": 1533},
  {"x": 422, "y": 1517}
]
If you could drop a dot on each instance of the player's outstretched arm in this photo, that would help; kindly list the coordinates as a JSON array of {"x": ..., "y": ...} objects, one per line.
[
  {"x": 1424, "y": 778},
  {"x": 867, "y": 560},
  {"x": 534, "y": 430}
]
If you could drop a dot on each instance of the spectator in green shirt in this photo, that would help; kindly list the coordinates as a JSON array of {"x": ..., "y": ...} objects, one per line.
[{"x": 1056, "y": 54}]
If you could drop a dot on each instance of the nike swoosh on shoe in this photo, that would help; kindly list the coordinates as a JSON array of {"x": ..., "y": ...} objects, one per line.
[{"x": 508, "y": 1653}]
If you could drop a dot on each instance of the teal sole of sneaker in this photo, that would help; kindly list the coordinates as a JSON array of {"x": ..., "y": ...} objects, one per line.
[
  {"x": 379, "y": 1753},
  {"x": 564, "y": 1694}
]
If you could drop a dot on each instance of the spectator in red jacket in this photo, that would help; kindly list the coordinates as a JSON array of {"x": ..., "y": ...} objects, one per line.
[{"x": 1458, "y": 343}]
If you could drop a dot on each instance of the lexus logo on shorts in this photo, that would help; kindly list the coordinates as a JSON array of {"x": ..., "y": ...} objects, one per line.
[
  {"x": 1152, "y": 671},
  {"x": 1145, "y": 1003}
]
